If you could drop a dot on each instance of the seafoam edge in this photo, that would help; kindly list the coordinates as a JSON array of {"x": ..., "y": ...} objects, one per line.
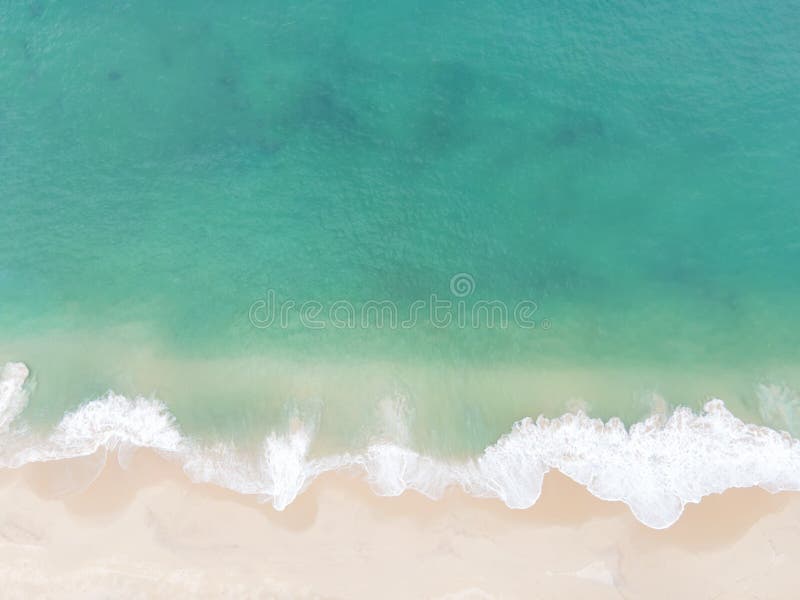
[{"x": 656, "y": 466}]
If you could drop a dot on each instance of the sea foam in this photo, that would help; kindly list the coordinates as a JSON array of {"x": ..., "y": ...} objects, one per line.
[{"x": 655, "y": 467}]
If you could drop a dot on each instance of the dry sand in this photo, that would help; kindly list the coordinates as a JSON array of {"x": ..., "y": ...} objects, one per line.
[{"x": 146, "y": 531}]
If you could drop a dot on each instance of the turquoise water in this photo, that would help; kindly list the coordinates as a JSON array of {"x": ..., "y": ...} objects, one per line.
[{"x": 631, "y": 170}]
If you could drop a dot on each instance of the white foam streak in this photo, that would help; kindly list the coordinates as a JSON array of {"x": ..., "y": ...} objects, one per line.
[
  {"x": 656, "y": 467},
  {"x": 13, "y": 398}
]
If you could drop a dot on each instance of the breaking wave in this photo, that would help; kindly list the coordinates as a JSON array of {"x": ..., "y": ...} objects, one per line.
[{"x": 656, "y": 466}]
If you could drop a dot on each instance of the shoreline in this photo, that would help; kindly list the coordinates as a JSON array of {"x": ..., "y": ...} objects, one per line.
[
  {"x": 146, "y": 529},
  {"x": 656, "y": 467}
]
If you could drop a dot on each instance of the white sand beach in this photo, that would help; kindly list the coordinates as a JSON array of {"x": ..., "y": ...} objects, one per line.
[{"x": 146, "y": 531}]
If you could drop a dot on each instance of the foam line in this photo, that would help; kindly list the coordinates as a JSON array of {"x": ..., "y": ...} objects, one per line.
[{"x": 656, "y": 467}]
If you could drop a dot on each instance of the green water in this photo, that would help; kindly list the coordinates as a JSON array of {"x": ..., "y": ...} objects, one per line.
[{"x": 630, "y": 169}]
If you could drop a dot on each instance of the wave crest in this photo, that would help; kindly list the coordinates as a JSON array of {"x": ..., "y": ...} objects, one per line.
[{"x": 656, "y": 467}]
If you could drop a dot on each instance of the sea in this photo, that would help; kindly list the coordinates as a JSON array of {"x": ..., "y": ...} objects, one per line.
[{"x": 434, "y": 243}]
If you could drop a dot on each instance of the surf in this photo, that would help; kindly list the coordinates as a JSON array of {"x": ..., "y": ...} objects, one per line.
[{"x": 656, "y": 467}]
